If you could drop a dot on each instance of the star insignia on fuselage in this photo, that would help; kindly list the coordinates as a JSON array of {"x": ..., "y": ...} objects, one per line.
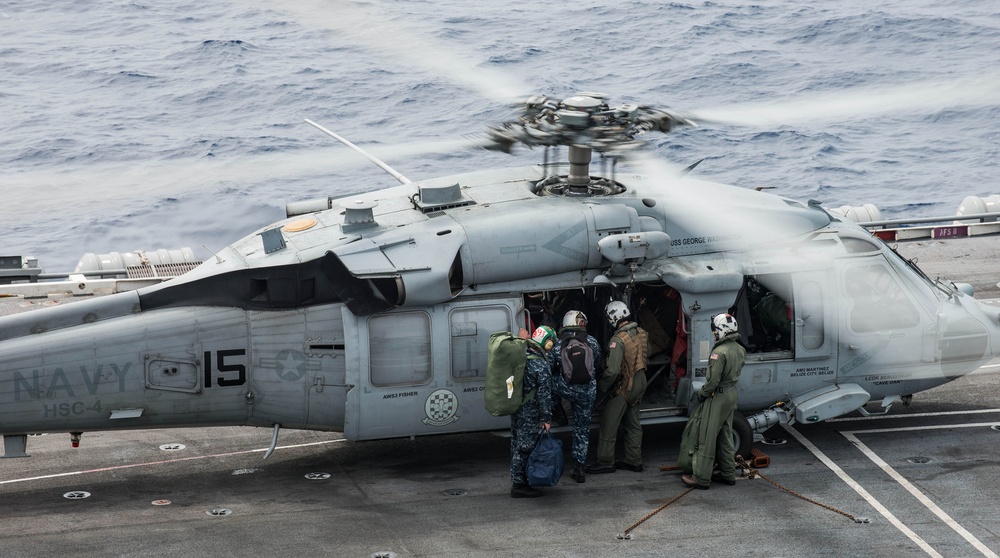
[{"x": 290, "y": 365}]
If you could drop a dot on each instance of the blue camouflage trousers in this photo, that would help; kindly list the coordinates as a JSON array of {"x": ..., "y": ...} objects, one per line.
[
  {"x": 524, "y": 434},
  {"x": 581, "y": 396}
]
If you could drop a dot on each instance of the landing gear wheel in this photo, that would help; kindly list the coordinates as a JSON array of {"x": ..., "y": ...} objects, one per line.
[{"x": 742, "y": 435}]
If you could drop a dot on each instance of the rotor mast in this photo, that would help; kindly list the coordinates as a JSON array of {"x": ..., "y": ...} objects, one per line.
[
  {"x": 577, "y": 115},
  {"x": 579, "y": 166}
]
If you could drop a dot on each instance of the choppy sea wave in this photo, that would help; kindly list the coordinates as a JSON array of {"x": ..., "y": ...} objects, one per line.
[{"x": 144, "y": 125}]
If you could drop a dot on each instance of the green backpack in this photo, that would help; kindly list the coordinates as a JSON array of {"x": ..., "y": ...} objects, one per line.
[{"x": 505, "y": 361}]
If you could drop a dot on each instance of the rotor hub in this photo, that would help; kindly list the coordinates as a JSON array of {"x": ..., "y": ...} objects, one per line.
[
  {"x": 584, "y": 120},
  {"x": 583, "y": 123}
]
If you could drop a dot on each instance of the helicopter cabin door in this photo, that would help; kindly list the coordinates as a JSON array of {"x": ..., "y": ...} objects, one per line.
[
  {"x": 422, "y": 371},
  {"x": 814, "y": 316}
]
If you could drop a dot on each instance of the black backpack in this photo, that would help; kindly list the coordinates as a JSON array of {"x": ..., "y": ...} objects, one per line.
[{"x": 577, "y": 359}]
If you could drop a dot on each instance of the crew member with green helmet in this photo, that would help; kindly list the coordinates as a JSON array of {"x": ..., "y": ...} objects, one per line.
[{"x": 535, "y": 415}]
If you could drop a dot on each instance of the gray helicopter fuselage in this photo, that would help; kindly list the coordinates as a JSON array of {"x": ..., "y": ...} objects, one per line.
[{"x": 372, "y": 317}]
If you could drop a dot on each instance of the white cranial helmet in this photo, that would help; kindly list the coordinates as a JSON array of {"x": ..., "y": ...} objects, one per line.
[
  {"x": 723, "y": 325},
  {"x": 616, "y": 311},
  {"x": 574, "y": 318}
]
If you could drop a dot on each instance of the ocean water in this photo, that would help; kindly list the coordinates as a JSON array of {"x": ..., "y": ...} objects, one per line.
[{"x": 143, "y": 125}]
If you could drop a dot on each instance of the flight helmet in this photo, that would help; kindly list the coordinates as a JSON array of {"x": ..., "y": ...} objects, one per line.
[
  {"x": 616, "y": 311},
  {"x": 575, "y": 318},
  {"x": 723, "y": 325},
  {"x": 545, "y": 336}
]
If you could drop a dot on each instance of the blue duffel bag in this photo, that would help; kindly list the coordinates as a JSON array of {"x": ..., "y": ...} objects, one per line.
[{"x": 546, "y": 462}]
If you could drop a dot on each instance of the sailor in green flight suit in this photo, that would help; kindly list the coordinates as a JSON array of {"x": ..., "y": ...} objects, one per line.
[
  {"x": 718, "y": 401},
  {"x": 625, "y": 377}
]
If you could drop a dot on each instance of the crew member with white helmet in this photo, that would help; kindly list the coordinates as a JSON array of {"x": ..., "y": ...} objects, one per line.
[
  {"x": 718, "y": 401},
  {"x": 575, "y": 359},
  {"x": 625, "y": 376}
]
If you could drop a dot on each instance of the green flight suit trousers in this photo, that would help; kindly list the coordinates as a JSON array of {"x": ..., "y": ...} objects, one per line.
[{"x": 616, "y": 412}]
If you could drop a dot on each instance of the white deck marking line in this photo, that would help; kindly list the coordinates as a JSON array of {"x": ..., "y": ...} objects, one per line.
[
  {"x": 164, "y": 462},
  {"x": 930, "y": 505},
  {"x": 928, "y": 427},
  {"x": 864, "y": 493},
  {"x": 937, "y": 414}
]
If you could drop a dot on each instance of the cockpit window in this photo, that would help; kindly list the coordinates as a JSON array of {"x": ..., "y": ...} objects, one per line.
[
  {"x": 859, "y": 245},
  {"x": 878, "y": 301}
]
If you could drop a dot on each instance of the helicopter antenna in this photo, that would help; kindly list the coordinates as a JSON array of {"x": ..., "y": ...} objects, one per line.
[
  {"x": 218, "y": 259},
  {"x": 402, "y": 179},
  {"x": 690, "y": 167}
]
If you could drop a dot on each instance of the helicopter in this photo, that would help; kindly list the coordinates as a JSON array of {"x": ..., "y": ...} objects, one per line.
[{"x": 370, "y": 314}]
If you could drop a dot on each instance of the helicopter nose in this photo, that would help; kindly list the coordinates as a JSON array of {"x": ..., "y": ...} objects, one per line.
[
  {"x": 992, "y": 314},
  {"x": 970, "y": 336}
]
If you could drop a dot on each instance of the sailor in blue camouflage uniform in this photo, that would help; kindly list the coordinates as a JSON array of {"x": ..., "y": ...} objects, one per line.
[
  {"x": 535, "y": 415},
  {"x": 580, "y": 395}
]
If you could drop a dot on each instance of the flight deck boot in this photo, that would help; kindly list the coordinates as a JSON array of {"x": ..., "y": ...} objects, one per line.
[{"x": 524, "y": 491}]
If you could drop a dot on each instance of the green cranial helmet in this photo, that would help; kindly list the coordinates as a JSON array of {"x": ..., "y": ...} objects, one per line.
[{"x": 545, "y": 336}]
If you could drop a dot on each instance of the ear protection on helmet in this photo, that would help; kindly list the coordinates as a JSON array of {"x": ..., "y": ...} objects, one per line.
[
  {"x": 723, "y": 325},
  {"x": 574, "y": 318},
  {"x": 616, "y": 311},
  {"x": 545, "y": 336}
]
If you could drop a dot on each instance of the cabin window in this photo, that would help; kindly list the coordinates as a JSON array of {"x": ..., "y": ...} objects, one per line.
[
  {"x": 470, "y": 336},
  {"x": 878, "y": 301},
  {"x": 399, "y": 348},
  {"x": 763, "y": 310}
]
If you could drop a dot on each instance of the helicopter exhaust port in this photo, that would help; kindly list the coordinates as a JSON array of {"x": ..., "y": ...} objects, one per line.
[{"x": 777, "y": 414}]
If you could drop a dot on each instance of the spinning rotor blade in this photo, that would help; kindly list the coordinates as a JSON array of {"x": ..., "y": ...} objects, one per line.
[
  {"x": 413, "y": 149},
  {"x": 702, "y": 209},
  {"x": 929, "y": 96},
  {"x": 150, "y": 180},
  {"x": 378, "y": 34}
]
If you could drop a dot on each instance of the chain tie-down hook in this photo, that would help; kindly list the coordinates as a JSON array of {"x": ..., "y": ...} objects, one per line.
[
  {"x": 752, "y": 473},
  {"x": 627, "y": 533}
]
